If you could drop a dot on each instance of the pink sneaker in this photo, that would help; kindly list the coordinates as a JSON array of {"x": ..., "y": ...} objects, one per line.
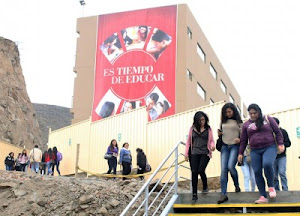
[
  {"x": 261, "y": 199},
  {"x": 272, "y": 192}
]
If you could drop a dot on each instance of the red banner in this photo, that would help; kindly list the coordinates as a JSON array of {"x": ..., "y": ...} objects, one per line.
[{"x": 135, "y": 63}]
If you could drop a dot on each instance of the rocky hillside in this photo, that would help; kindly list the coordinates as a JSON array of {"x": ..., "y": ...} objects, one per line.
[
  {"x": 18, "y": 123},
  {"x": 25, "y": 194},
  {"x": 50, "y": 116}
]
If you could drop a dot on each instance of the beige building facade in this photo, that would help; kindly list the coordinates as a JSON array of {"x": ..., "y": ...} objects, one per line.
[{"x": 200, "y": 78}]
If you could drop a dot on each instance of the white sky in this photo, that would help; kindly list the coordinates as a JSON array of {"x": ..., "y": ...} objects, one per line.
[{"x": 257, "y": 42}]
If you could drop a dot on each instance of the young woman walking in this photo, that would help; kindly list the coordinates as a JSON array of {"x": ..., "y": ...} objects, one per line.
[
  {"x": 262, "y": 132},
  {"x": 230, "y": 131},
  {"x": 199, "y": 147}
]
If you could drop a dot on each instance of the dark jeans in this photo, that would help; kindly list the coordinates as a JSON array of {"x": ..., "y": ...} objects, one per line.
[
  {"x": 112, "y": 165},
  {"x": 57, "y": 168},
  {"x": 23, "y": 166},
  {"x": 141, "y": 170},
  {"x": 126, "y": 168},
  {"x": 263, "y": 158},
  {"x": 229, "y": 155},
  {"x": 198, "y": 166},
  {"x": 9, "y": 168}
]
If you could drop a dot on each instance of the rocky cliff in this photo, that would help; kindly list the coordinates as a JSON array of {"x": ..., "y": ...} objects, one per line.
[
  {"x": 18, "y": 123},
  {"x": 50, "y": 116}
]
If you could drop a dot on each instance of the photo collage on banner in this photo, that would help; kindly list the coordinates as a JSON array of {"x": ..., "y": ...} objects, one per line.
[{"x": 135, "y": 63}]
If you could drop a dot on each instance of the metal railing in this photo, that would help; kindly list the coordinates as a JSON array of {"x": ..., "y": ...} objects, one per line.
[{"x": 146, "y": 202}]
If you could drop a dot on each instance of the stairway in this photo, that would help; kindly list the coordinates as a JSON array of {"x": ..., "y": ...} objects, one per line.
[{"x": 286, "y": 203}]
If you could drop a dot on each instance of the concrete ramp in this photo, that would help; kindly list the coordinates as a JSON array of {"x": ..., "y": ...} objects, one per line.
[{"x": 286, "y": 203}]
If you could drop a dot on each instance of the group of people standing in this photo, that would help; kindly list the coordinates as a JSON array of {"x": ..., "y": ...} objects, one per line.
[
  {"x": 125, "y": 159},
  {"x": 36, "y": 160},
  {"x": 256, "y": 145}
]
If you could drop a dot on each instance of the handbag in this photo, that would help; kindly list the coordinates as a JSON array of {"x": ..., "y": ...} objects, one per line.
[
  {"x": 148, "y": 168},
  {"x": 219, "y": 143},
  {"x": 108, "y": 156}
]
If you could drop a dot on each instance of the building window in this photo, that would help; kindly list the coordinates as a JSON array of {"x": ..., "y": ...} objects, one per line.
[
  {"x": 231, "y": 99},
  {"x": 213, "y": 71},
  {"x": 201, "y": 91},
  {"x": 200, "y": 52},
  {"x": 211, "y": 102},
  {"x": 223, "y": 87},
  {"x": 238, "y": 108},
  {"x": 189, "y": 74},
  {"x": 189, "y": 32}
]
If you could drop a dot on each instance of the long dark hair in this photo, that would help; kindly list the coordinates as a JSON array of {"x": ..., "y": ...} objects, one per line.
[
  {"x": 50, "y": 153},
  {"x": 25, "y": 153},
  {"x": 197, "y": 117},
  {"x": 260, "y": 120},
  {"x": 236, "y": 115},
  {"x": 107, "y": 109},
  {"x": 55, "y": 150},
  {"x": 111, "y": 145},
  {"x": 144, "y": 35}
]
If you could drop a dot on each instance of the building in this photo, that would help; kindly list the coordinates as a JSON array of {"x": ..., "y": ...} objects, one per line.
[{"x": 199, "y": 78}]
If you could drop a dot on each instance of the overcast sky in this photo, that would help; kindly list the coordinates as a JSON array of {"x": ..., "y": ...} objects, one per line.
[{"x": 257, "y": 42}]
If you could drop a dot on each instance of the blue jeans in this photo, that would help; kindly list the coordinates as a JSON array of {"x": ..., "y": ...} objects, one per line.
[
  {"x": 263, "y": 158},
  {"x": 49, "y": 167},
  {"x": 280, "y": 168},
  {"x": 8, "y": 168},
  {"x": 248, "y": 175},
  {"x": 229, "y": 154},
  {"x": 35, "y": 166}
]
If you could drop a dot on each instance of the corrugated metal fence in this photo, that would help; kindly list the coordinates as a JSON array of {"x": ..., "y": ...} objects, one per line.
[
  {"x": 6, "y": 148},
  {"x": 157, "y": 138}
]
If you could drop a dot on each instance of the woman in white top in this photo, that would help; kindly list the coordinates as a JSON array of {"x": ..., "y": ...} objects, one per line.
[{"x": 230, "y": 132}]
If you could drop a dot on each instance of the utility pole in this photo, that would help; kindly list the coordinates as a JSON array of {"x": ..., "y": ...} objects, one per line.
[{"x": 82, "y": 3}]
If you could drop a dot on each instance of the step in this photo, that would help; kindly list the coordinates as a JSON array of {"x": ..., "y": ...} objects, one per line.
[
  {"x": 285, "y": 202},
  {"x": 230, "y": 214}
]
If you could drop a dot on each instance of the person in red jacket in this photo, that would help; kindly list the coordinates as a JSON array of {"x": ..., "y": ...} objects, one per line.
[{"x": 49, "y": 159}]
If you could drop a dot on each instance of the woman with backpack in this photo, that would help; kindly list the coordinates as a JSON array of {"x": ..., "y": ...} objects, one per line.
[
  {"x": 230, "y": 131},
  {"x": 141, "y": 162},
  {"x": 262, "y": 133},
  {"x": 57, "y": 159}
]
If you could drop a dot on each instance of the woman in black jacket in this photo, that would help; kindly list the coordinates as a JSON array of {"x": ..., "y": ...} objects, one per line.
[
  {"x": 9, "y": 162},
  {"x": 141, "y": 162}
]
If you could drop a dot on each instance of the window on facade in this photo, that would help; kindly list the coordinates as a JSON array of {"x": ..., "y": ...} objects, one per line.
[
  {"x": 223, "y": 86},
  {"x": 238, "y": 108},
  {"x": 211, "y": 102},
  {"x": 213, "y": 71},
  {"x": 189, "y": 75},
  {"x": 200, "y": 52},
  {"x": 189, "y": 32},
  {"x": 231, "y": 99},
  {"x": 201, "y": 91}
]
